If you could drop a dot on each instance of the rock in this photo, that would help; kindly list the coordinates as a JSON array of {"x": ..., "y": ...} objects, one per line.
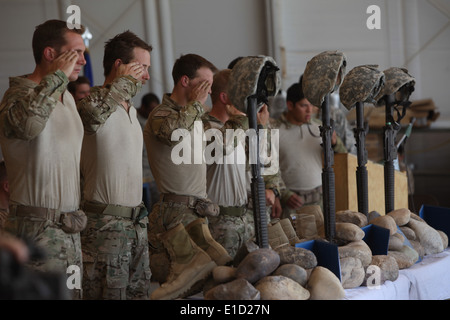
[
  {"x": 444, "y": 238},
  {"x": 258, "y": 264},
  {"x": 350, "y": 216},
  {"x": 418, "y": 247},
  {"x": 416, "y": 217},
  {"x": 386, "y": 222},
  {"x": 395, "y": 243},
  {"x": 428, "y": 237},
  {"x": 405, "y": 258},
  {"x": 324, "y": 285},
  {"x": 400, "y": 216},
  {"x": 222, "y": 274},
  {"x": 280, "y": 288},
  {"x": 372, "y": 215},
  {"x": 294, "y": 272},
  {"x": 243, "y": 251},
  {"x": 356, "y": 249},
  {"x": 388, "y": 270},
  {"x": 239, "y": 289},
  {"x": 408, "y": 232},
  {"x": 306, "y": 226},
  {"x": 352, "y": 272},
  {"x": 348, "y": 232},
  {"x": 299, "y": 256}
]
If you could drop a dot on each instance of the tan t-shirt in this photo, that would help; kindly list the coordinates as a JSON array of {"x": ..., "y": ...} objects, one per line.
[
  {"x": 111, "y": 158},
  {"x": 184, "y": 178},
  {"x": 43, "y": 171},
  {"x": 300, "y": 156}
]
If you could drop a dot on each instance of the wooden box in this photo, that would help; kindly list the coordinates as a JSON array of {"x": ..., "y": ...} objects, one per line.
[{"x": 345, "y": 185}]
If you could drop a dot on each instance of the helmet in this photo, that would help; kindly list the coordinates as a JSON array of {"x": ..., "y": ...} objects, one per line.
[
  {"x": 253, "y": 76},
  {"x": 397, "y": 81},
  {"x": 323, "y": 75},
  {"x": 361, "y": 84}
]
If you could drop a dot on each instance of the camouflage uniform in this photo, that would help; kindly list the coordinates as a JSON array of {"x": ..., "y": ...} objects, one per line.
[
  {"x": 181, "y": 186},
  {"x": 115, "y": 244},
  {"x": 227, "y": 186},
  {"x": 41, "y": 141},
  {"x": 305, "y": 139}
]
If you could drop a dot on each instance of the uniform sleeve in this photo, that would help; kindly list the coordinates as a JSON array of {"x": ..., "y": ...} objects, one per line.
[
  {"x": 24, "y": 112},
  {"x": 96, "y": 108},
  {"x": 166, "y": 120}
]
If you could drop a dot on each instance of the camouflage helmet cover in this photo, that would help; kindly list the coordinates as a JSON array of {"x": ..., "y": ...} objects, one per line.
[
  {"x": 323, "y": 74},
  {"x": 395, "y": 79},
  {"x": 361, "y": 84},
  {"x": 253, "y": 75}
]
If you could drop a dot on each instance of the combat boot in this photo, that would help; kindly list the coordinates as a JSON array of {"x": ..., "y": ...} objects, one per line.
[
  {"x": 288, "y": 229},
  {"x": 276, "y": 236},
  {"x": 189, "y": 265},
  {"x": 199, "y": 232}
]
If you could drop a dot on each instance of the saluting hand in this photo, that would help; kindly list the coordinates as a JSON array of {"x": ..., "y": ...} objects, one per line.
[
  {"x": 65, "y": 62},
  {"x": 200, "y": 92},
  {"x": 134, "y": 69}
]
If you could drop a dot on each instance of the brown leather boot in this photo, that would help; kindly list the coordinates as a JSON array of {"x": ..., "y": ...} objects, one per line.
[
  {"x": 189, "y": 265},
  {"x": 199, "y": 232}
]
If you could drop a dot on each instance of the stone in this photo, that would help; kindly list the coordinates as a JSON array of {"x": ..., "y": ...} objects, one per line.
[
  {"x": 372, "y": 215},
  {"x": 222, "y": 274},
  {"x": 400, "y": 216},
  {"x": 388, "y": 268},
  {"x": 348, "y": 232},
  {"x": 356, "y": 249},
  {"x": 352, "y": 272},
  {"x": 444, "y": 238},
  {"x": 295, "y": 255},
  {"x": 306, "y": 226},
  {"x": 294, "y": 272},
  {"x": 243, "y": 251},
  {"x": 258, "y": 264},
  {"x": 408, "y": 232},
  {"x": 324, "y": 285},
  {"x": 395, "y": 243},
  {"x": 386, "y": 222},
  {"x": 239, "y": 289},
  {"x": 405, "y": 258},
  {"x": 416, "y": 217},
  {"x": 350, "y": 216},
  {"x": 428, "y": 237},
  {"x": 281, "y": 288},
  {"x": 418, "y": 247}
]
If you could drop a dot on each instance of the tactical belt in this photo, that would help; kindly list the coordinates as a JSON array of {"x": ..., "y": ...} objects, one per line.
[
  {"x": 233, "y": 211},
  {"x": 111, "y": 210},
  {"x": 311, "y": 195},
  {"x": 190, "y": 201},
  {"x": 53, "y": 215}
]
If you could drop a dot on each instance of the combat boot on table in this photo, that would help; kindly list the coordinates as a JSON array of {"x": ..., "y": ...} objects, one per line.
[
  {"x": 289, "y": 230},
  {"x": 189, "y": 265},
  {"x": 276, "y": 236},
  {"x": 199, "y": 232}
]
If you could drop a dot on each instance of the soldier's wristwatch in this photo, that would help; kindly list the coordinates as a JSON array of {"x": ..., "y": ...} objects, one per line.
[{"x": 275, "y": 191}]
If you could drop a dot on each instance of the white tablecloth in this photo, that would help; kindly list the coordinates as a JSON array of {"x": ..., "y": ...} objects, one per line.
[{"x": 426, "y": 280}]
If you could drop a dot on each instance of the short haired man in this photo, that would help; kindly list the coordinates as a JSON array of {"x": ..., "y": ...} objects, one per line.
[
  {"x": 115, "y": 246},
  {"x": 79, "y": 88},
  {"x": 41, "y": 135},
  {"x": 177, "y": 224},
  {"x": 227, "y": 181},
  {"x": 301, "y": 152}
]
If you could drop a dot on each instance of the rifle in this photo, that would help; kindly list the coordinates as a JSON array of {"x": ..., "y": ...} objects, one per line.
[
  {"x": 328, "y": 180},
  {"x": 361, "y": 170}
]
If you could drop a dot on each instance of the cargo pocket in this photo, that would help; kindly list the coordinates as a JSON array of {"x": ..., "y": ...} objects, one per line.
[{"x": 117, "y": 277}]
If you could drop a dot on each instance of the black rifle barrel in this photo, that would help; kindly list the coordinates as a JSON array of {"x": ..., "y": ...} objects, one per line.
[
  {"x": 257, "y": 183},
  {"x": 361, "y": 171},
  {"x": 328, "y": 181}
]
